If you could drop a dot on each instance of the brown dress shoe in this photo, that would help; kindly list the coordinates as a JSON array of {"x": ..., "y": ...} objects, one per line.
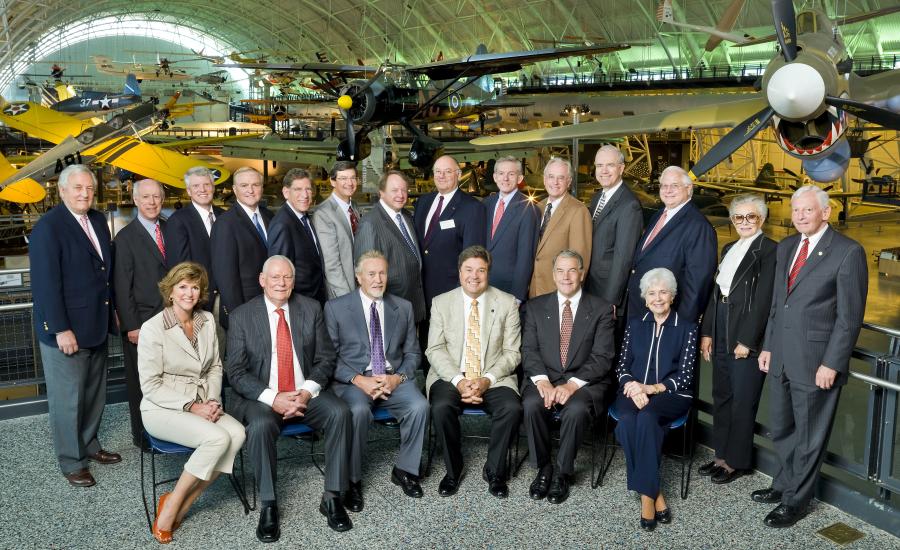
[
  {"x": 81, "y": 478},
  {"x": 104, "y": 457}
]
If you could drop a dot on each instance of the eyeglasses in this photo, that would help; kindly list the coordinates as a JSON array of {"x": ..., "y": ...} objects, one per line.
[
  {"x": 741, "y": 218},
  {"x": 346, "y": 179}
]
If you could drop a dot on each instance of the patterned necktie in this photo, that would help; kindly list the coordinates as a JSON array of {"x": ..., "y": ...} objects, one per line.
[
  {"x": 473, "y": 344},
  {"x": 600, "y": 204},
  {"x": 656, "y": 229},
  {"x": 498, "y": 215},
  {"x": 378, "y": 363},
  {"x": 565, "y": 333},
  {"x": 304, "y": 220},
  {"x": 159, "y": 242},
  {"x": 434, "y": 218},
  {"x": 259, "y": 229},
  {"x": 354, "y": 220},
  {"x": 84, "y": 225},
  {"x": 546, "y": 219},
  {"x": 406, "y": 237},
  {"x": 798, "y": 264},
  {"x": 210, "y": 220},
  {"x": 284, "y": 353}
]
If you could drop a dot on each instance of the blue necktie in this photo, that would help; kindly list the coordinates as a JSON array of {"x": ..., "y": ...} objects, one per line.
[
  {"x": 304, "y": 219},
  {"x": 406, "y": 237},
  {"x": 378, "y": 363},
  {"x": 259, "y": 229}
]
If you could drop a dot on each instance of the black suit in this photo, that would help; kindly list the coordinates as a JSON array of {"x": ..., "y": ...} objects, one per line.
[
  {"x": 188, "y": 241},
  {"x": 289, "y": 238},
  {"x": 616, "y": 231},
  {"x": 139, "y": 266}
]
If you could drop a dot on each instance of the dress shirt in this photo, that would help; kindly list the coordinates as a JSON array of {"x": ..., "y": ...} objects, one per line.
[
  {"x": 554, "y": 209},
  {"x": 268, "y": 394},
  {"x": 367, "y": 311},
  {"x": 90, "y": 226},
  {"x": 204, "y": 215},
  {"x": 608, "y": 193},
  {"x": 434, "y": 203},
  {"x": 670, "y": 213},
  {"x": 345, "y": 207},
  {"x": 392, "y": 214},
  {"x": 813, "y": 241},
  {"x": 732, "y": 261},
  {"x": 561, "y": 304},
  {"x": 505, "y": 198},
  {"x": 251, "y": 213},
  {"x": 467, "y": 308},
  {"x": 150, "y": 226}
]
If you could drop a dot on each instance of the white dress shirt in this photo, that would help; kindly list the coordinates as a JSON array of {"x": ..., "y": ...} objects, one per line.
[
  {"x": 561, "y": 304},
  {"x": 731, "y": 262},
  {"x": 467, "y": 309},
  {"x": 813, "y": 241},
  {"x": 204, "y": 215},
  {"x": 434, "y": 203},
  {"x": 367, "y": 311},
  {"x": 554, "y": 209},
  {"x": 256, "y": 212},
  {"x": 268, "y": 394},
  {"x": 91, "y": 229},
  {"x": 670, "y": 213}
]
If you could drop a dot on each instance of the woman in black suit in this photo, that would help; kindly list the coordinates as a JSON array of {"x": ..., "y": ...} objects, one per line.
[{"x": 732, "y": 334}]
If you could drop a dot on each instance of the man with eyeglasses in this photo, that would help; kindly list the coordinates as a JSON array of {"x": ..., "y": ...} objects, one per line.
[{"x": 336, "y": 221}]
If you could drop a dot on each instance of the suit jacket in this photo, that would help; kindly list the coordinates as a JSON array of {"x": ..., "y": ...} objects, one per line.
[
  {"x": 749, "y": 298},
  {"x": 71, "y": 285},
  {"x": 500, "y": 337},
  {"x": 686, "y": 246},
  {"x": 346, "y": 323},
  {"x": 139, "y": 266},
  {"x": 512, "y": 246},
  {"x": 824, "y": 310},
  {"x": 288, "y": 237},
  {"x": 172, "y": 373},
  {"x": 379, "y": 232},
  {"x": 615, "y": 234},
  {"x": 249, "y": 359},
  {"x": 239, "y": 257},
  {"x": 187, "y": 241},
  {"x": 666, "y": 359},
  {"x": 569, "y": 227},
  {"x": 591, "y": 346},
  {"x": 336, "y": 240},
  {"x": 441, "y": 251}
]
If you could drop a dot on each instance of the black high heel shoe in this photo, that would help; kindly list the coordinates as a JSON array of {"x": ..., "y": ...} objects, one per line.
[
  {"x": 664, "y": 516},
  {"x": 648, "y": 524}
]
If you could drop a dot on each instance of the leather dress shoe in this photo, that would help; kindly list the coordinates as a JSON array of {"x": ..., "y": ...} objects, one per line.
[
  {"x": 163, "y": 537},
  {"x": 648, "y": 524},
  {"x": 333, "y": 510},
  {"x": 784, "y": 516},
  {"x": 496, "y": 485},
  {"x": 81, "y": 478},
  {"x": 449, "y": 485},
  {"x": 541, "y": 484},
  {"x": 407, "y": 482},
  {"x": 559, "y": 490},
  {"x": 104, "y": 457},
  {"x": 708, "y": 469},
  {"x": 664, "y": 516},
  {"x": 353, "y": 498},
  {"x": 724, "y": 476},
  {"x": 268, "y": 529},
  {"x": 766, "y": 496}
]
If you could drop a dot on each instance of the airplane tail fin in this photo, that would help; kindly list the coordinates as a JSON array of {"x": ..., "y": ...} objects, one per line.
[
  {"x": 484, "y": 83},
  {"x": 174, "y": 99},
  {"x": 131, "y": 85},
  {"x": 23, "y": 191},
  {"x": 664, "y": 13}
]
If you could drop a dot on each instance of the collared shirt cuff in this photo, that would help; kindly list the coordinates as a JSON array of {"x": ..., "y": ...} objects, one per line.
[
  {"x": 491, "y": 377},
  {"x": 267, "y": 396},
  {"x": 537, "y": 378},
  {"x": 312, "y": 387},
  {"x": 578, "y": 382},
  {"x": 455, "y": 380}
]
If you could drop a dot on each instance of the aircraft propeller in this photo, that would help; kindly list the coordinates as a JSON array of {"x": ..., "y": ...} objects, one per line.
[
  {"x": 345, "y": 103},
  {"x": 785, "y": 27}
]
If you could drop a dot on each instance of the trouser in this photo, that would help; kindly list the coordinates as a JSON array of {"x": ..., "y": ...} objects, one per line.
[
  {"x": 573, "y": 418},
  {"x": 132, "y": 388},
  {"x": 215, "y": 444}
]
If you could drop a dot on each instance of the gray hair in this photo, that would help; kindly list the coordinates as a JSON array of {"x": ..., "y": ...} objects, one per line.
[
  {"x": 659, "y": 276},
  {"x": 278, "y": 257},
  {"x": 821, "y": 194},
  {"x": 368, "y": 255},
  {"x": 136, "y": 188},
  {"x": 558, "y": 160},
  {"x": 74, "y": 169},
  {"x": 199, "y": 171},
  {"x": 509, "y": 158},
  {"x": 612, "y": 149},
  {"x": 569, "y": 253},
  {"x": 295, "y": 174},
  {"x": 244, "y": 170},
  {"x": 683, "y": 177},
  {"x": 758, "y": 203}
]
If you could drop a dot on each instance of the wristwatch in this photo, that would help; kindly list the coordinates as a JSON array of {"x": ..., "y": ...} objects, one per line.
[{"x": 402, "y": 377}]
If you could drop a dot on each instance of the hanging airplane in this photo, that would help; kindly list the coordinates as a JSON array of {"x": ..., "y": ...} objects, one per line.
[
  {"x": 722, "y": 31},
  {"x": 90, "y": 103},
  {"x": 105, "y": 65}
]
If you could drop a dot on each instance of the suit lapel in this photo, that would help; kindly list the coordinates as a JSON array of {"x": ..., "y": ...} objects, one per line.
[
  {"x": 84, "y": 239},
  {"x": 395, "y": 231},
  {"x": 177, "y": 334},
  {"x": 264, "y": 337},
  {"x": 150, "y": 242},
  {"x": 555, "y": 216},
  {"x": 298, "y": 324},
  {"x": 668, "y": 228},
  {"x": 579, "y": 325},
  {"x": 425, "y": 203},
  {"x": 512, "y": 212},
  {"x": 248, "y": 223},
  {"x": 488, "y": 319},
  {"x": 391, "y": 323},
  {"x": 609, "y": 207},
  {"x": 816, "y": 256},
  {"x": 747, "y": 261},
  {"x": 551, "y": 325}
]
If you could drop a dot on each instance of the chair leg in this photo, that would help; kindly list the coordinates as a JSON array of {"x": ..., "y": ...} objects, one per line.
[
  {"x": 518, "y": 463},
  {"x": 687, "y": 460},
  {"x": 608, "y": 455},
  {"x": 144, "y": 494},
  {"x": 312, "y": 455},
  {"x": 593, "y": 428}
]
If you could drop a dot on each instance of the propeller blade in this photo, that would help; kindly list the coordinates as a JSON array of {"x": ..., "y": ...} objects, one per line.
[
  {"x": 351, "y": 135},
  {"x": 739, "y": 135},
  {"x": 369, "y": 82},
  {"x": 785, "y": 27},
  {"x": 885, "y": 118}
]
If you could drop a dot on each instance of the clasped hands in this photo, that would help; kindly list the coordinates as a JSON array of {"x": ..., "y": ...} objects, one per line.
[
  {"x": 291, "y": 404},
  {"x": 555, "y": 394},
  {"x": 379, "y": 386},
  {"x": 210, "y": 410},
  {"x": 639, "y": 393},
  {"x": 471, "y": 391}
]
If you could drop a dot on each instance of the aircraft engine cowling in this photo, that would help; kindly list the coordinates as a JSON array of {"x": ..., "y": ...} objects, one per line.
[
  {"x": 365, "y": 101},
  {"x": 830, "y": 167},
  {"x": 424, "y": 150},
  {"x": 812, "y": 138}
]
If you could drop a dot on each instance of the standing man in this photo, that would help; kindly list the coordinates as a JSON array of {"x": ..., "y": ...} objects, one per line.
[
  {"x": 291, "y": 234},
  {"x": 336, "y": 221},
  {"x": 512, "y": 228},
  {"x": 140, "y": 254},
  {"x": 280, "y": 360},
  {"x": 821, "y": 280},
  {"x": 680, "y": 239},
  {"x": 565, "y": 225},
  {"x": 374, "y": 335},
  {"x": 239, "y": 241},
  {"x": 71, "y": 274}
]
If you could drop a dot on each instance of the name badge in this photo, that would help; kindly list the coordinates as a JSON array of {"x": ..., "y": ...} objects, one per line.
[{"x": 448, "y": 224}]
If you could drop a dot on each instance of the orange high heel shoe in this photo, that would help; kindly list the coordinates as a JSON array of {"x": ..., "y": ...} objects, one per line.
[{"x": 163, "y": 537}]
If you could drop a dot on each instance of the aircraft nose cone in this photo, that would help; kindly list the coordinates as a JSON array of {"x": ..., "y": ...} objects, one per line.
[
  {"x": 796, "y": 91},
  {"x": 345, "y": 102}
]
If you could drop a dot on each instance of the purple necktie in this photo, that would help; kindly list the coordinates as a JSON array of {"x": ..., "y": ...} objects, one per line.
[
  {"x": 377, "y": 344},
  {"x": 434, "y": 219}
]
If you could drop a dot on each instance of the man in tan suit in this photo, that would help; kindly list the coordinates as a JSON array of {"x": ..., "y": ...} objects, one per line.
[
  {"x": 565, "y": 225},
  {"x": 473, "y": 347}
]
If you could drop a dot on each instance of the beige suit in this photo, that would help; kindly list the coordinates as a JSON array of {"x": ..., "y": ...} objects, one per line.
[
  {"x": 173, "y": 374},
  {"x": 569, "y": 228}
]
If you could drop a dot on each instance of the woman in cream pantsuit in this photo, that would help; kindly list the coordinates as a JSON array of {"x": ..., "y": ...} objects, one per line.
[{"x": 181, "y": 377}]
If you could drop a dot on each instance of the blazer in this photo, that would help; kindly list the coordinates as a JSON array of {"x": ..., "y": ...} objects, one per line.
[
  {"x": 615, "y": 234},
  {"x": 512, "y": 246},
  {"x": 441, "y": 251},
  {"x": 591, "y": 345},
  {"x": 172, "y": 374},
  {"x": 239, "y": 256},
  {"x": 569, "y": 227},
  {"x": 139, "y": 266},
  {"x": 288, "y": 237},
  {"x": 336, "y": 242},
  {"x": 187, "y": 241},
  {"x": 379, "y": 232},
  {"x": 687, "y": 247},
  {"x": 824, "y": 310},
  {"x": 71, "y": 285},
  {"x": 749, "y": 299},
  {"x": 346, "y": 324},
  {"x": 500, "y": 337},
  {"x": 667, "y": 359}
]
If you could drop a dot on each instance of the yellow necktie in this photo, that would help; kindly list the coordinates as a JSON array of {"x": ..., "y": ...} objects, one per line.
[{"x": 473, "y": 344}]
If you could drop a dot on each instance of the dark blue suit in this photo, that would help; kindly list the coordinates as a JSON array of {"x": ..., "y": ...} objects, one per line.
[
  {"x": 512, "y": 246},
  {"x": 187, "y": 241},
  {"x": 289, "y": 238}
]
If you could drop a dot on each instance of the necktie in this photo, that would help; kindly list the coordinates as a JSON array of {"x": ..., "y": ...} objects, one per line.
[
  {"x": 259, "y": 228},
  {"x": 798, "y": 263},
  {"x": 304, "y": 220},
  {"x": 406, "y": 237},
  {"x": 656, "y": 229},
  {"x": 473, "y": 344},
  {"x": 210, "y": 220},
  {"x": 600, "y": 204},
  {"x": 159, "y": 242},
  {"x": 434, "y": 218},
  {"x": 498, "y": 215},
  {"x": 284, "y": 353},
  {"x": 378, "y": 362},
  {"x": 84, "y": 225},
  {"x": 546, "y": 219},
  {"x": 565, "y": 333},
  {"x": 354, "y": 221}
]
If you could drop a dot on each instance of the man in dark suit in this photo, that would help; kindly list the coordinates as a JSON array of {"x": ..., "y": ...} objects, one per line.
[
  {"x": 292, "y": 235},
  {"x": 821, "y": 281},
  {"x": 512, "y": 225},
  {"x": 140, "y": 263},
  {"x": 71, "y": 274},
  {"x": 567, "y": 350},
  {"x": 374, "y": 335},
  {"x": 239, "y": 241},
  {"x": 680, "y": 239},
  {"x": 389, "y": 229},
  {"x": 280, "y": 360},
  {"x": 617, "y": 224}
]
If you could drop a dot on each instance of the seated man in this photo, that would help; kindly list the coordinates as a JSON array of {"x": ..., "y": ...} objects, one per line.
[
  {"x": 567, "y": 348},
  {"x": 279, "y": 360},
  {"x": 473, "y": 347},
  {"x": 376, "y": 365}
]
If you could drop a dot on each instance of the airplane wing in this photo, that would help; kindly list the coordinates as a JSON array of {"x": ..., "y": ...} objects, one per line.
[
  {"x": 353, "y": 71},
  {"x": 876, "y": 88},
  {"x": 39, "y": 121},
  {"x": 151, "y": 161},
  {"x": 199, "y": 142},
  {"x": 21, "y": 191},
  {"x": 784, "y": 193}
]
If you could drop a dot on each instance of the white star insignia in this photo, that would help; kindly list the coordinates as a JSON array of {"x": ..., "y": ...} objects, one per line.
[
  {"x": 104, "y": 103},
  {"x": 16, "y": 109}
]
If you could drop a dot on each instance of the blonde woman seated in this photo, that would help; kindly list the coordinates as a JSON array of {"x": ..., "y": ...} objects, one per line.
[{"x": 181, "y": 378}]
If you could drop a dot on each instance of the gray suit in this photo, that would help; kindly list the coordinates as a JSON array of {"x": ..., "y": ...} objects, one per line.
[
  {"x": 346, "y": 323},
  {"x": 824, "y": 311},
  {"x": 336, "y": 244},
  {"x": 615, "y": 234}
]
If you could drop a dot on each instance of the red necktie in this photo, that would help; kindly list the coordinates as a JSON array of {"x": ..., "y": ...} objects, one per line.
[
  {"x": 498, "y": 215},
  {"x": 159, "y": 242},
  {"x": 565, "y": 333},
  {"x": 656, "y": 229},
  {"x": 434, "y": 219},
  {"x": 285, "y": 354},
  {"x": 354, "y": 221},
  {"x": 798, "y": 263}
]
